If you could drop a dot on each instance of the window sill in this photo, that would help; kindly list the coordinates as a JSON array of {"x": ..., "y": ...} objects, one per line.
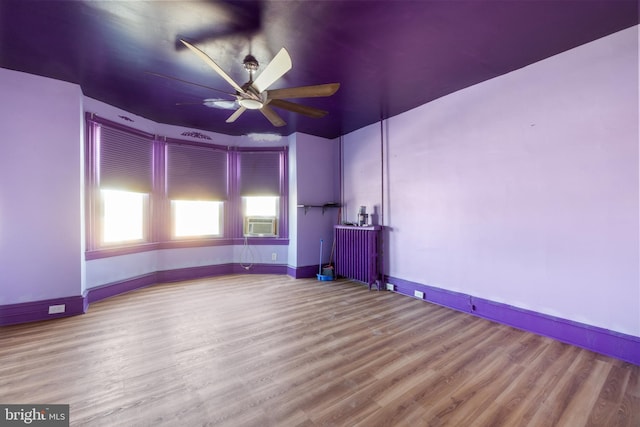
[
  {"x": 178, "y": 244},
  {"x": 119, "y": 250}
]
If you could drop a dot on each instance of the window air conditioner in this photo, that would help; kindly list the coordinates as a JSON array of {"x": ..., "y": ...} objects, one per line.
[{"x": 260, "y": 226}]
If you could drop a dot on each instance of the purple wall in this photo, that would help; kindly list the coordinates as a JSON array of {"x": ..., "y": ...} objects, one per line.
[
  {"x": 522, "y": 190},
  {"x": 315, "y": 180},
  {"x": 41, "y": 239}
]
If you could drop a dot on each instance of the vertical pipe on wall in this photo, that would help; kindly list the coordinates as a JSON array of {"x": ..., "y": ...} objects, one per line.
[
  {"x": 341, "y": 160},
  {"x": 379, "y": 259},
  {"x": 381, "y": 170}
]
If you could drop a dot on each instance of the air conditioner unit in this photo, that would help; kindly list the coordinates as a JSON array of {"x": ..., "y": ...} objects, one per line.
[{"x": 260, "y": 226}]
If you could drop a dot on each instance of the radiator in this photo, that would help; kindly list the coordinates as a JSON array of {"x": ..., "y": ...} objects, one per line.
[{"x": 357, "y": 252}]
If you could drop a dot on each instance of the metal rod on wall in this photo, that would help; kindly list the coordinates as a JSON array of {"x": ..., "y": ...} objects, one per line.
[
  {"x": 381, "y": 244},
  {"x": 340, "y": 220},
  {"x": 381, "y": 170}
]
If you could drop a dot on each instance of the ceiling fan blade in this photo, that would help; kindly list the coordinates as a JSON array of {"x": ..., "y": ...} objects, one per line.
[
  {"x": 298, "y": 108},
  {"x": 304, "y": 91},
  {"x": 164, "y": 76},
  {"x": 279, "y": 65},
  {"x": 272, "y": 116},
  {"x": 232, "y": 118},
  {"x": 213, "y": 65}
]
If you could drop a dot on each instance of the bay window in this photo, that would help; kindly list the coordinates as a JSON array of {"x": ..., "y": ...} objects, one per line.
[{"x": 145, "y": 192}]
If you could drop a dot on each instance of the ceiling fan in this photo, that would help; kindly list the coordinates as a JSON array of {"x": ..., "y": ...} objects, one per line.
[{"x": 254, "y": 94}]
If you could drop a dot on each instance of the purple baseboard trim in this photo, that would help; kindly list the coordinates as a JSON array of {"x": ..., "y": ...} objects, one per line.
[
  {"x": 193, "y": 273},
  {"x": 305, "y": 272},
  {"x": 39, "y": 310},
  {"x": 260, "y": 269},
  {"x": 120, "y": 287},
  {"x": 600, "y": 340}
]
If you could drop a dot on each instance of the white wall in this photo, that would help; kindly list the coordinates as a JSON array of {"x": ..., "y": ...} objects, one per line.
[
  {"x": 41, "y": 168},
  {"x": 523, "y": 189}
]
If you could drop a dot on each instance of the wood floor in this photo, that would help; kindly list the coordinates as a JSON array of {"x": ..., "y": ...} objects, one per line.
[{"x": 266, "y": 350}]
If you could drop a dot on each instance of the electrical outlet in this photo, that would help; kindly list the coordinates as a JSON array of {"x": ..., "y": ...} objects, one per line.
[
  {"x": 390, "y": 287},
  {"x": 54, "y": 309},
  {"x": 418, "y": 294},
  {"x": 274, "y": 256}
]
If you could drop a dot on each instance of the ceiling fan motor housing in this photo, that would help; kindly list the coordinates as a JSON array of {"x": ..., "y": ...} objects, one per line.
[{"x": 250, "y": 63}]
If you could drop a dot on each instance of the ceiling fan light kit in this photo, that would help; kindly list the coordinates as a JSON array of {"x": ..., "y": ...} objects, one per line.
[
  {"x": 250, "y": 104},
  {"x": 254, "y": 95}
]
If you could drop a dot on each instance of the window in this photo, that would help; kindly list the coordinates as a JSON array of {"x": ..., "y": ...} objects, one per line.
[
  {"x": 260, "y": 216},
  {"x": 261, "y": 187},
  {"x": 123, "y": 216},
  {"x": 119, "y": 185},
  {"x": 196, "y": 218},
  {"x": 196, "y": 183},
  {"x": 261, "y": 206}
]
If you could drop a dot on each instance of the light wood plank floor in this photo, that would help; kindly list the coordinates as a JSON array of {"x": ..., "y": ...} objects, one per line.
[{"x": 266, "y": 350}]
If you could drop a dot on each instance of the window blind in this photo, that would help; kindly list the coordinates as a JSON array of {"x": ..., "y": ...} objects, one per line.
[
  {"x": 196, "y": 173},
  {"x": 126, "y": 161},
  {"x": 260, "y": 173}
]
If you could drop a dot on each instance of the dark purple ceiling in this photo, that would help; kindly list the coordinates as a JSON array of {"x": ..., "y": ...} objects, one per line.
[{"x": 389, "y": 56}]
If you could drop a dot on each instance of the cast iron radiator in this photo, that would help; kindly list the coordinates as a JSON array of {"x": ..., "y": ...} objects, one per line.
[{"x": 357, "y": 250}]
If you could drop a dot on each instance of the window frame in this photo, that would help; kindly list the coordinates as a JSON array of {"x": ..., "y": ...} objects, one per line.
[
  {"x": 94, "y": 242},
  {"x": 171, "y": 241},
  {"x": 282, "y": 218}
]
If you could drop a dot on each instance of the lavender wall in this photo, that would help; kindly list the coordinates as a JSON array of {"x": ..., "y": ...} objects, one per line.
[
  {"x": 317, "y": 181},
  {"x": 362, "y": 183},
  {"x": 521, "y": 190},
  {"x": 292, "y": 250},
  {"x": 41, "y": 240}
]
